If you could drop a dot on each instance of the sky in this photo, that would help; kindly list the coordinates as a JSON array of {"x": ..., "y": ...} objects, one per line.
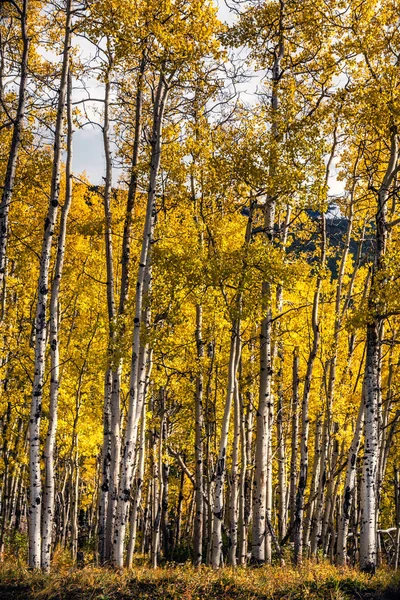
[{"x": 88, "y": 154}]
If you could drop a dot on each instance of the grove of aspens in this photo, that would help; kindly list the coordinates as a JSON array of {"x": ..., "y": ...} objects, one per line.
[{"x": 200, "y": 347}]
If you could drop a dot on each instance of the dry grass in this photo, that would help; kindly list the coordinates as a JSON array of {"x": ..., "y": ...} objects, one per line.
[{"x": 311, "y": 582}]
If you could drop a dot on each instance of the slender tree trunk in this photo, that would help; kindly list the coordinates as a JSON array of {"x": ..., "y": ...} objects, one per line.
[
  {"x": 245, "y": 487},
  {"x": 295, "y": 438},
  {"x": 112, "y": 351},
  {"x": 158, "y": 491},
  {"x": 9, "y": 180},
  {"x": 298, "y": 521},
  {"x": 260, "y": 495},
  {"x": 49, "y": 487},
  {"x": 233, "y": 479},
  {"x": 132, "y": 191},
  {"x": 331, "y": 492},
  {"x": 139, "y": 488},
  {"x": 280, "y": 417},
  {"x": 368, "y": 517},
  {"x": 35, "y": 499},
  {"x": 111, "y": 439},
  {"x": 198, "y": 521},
  {"x": 165, "y": 525},
  {"x": 106, "y": 458},
  {"x": 179, "y": 510},
  {"x": 318, "y": 476},
  {"x": 218, "y": 505},
  {"x": 75, "y": 501},
  {"x": 134, "y": 411},
  {"x": 281, "y": 456}
]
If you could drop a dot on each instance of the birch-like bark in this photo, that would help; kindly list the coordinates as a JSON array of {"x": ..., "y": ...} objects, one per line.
[
  {"x": 386, "y": 429},
  {"x": 234, "y": 358},
  {"x": 165, "y": 525},
  {"x": 146, "y": 365},
  {"x": 132, "y": 191},
  {"x": 368, "y": 517},
  {"x": 233, "y": 476},
  {"x": 75, "y": 501},
  {"x": 318, "y": 474},
  {"x": 218, "y": 504},
  {"x": 134, "y": 410},
  {"x": 262, "y": 496},
  {"x": 105, "y": 473},
  {"x": 198, "y": 520},
  {"x": 49, "y": 486},
  {"x": 298, "y": 521},
  {"x": 242, "y": 528},
  {"x": 111, "y": 436},
  {"x": 351, "y": 471},
  {"x": 139, "y": 488},
  {"x": 9, "y": 180},
  {"x": 35, "y": 487},
  {"x": 114, "y": 363},
  {"x": 330, "y": 492},
  {"x": 158, "y": 491},
  {"x": 326, "y": 466},
  {"x": 295, "y": 438},
  {"x": 260, "y": 544},
  {"x": 280, "y": 418}
]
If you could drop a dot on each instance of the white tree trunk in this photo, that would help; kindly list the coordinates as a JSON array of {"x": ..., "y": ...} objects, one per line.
[
  {"x": 368, "y": 482},
  {"x": 139, "y": 488},
  {"x": 105, "y": 458},
  {"x": 9, "y": 180},
  {"x": 198, "y": 519},
  {"x": 134, "y": 410},
  {"x": 295, "y": 438},
  {"x": 351, "y": 472},
  {"x": 35, "y": 486},
  {"x": 233, "y": 479},
  {"x": 298, "y": 521},
  {"x": 218, "y": 504},
  {"x": 261, "y": 539},
  {"x": 49, "y": 486},
  {"x": 368, "y": 529}
]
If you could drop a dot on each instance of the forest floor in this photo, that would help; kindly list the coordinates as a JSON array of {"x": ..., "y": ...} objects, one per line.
[{"x": 310, "y": 582}]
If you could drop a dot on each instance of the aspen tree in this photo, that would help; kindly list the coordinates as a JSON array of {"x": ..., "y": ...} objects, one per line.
[
  {"x": 294, "y": 437},
  {"x": 111, "y": 475},
  {"x": 304, "y": 459},
  {"x": 35, "y": 490},
  {"x": 340, "y": 314},
  {"x": 139, "y": 488},
  {"x": 218, "y": 500},
  {"x": 262, "y": 501},
  {"x": 279, "y": 350},
  {"x": 198, "y": 522},
  {"x": 233, "y": 477},
  {"x": 368, "y": 533},
  {"x": 232, "y": 394},
  {"x": 49, "y": 486},
  {"x": 348, "y": 495},
  {"x": 9, "y": 181},
  {"x": 134, "y": 409},
  {"x": 115, "y": 368}
]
